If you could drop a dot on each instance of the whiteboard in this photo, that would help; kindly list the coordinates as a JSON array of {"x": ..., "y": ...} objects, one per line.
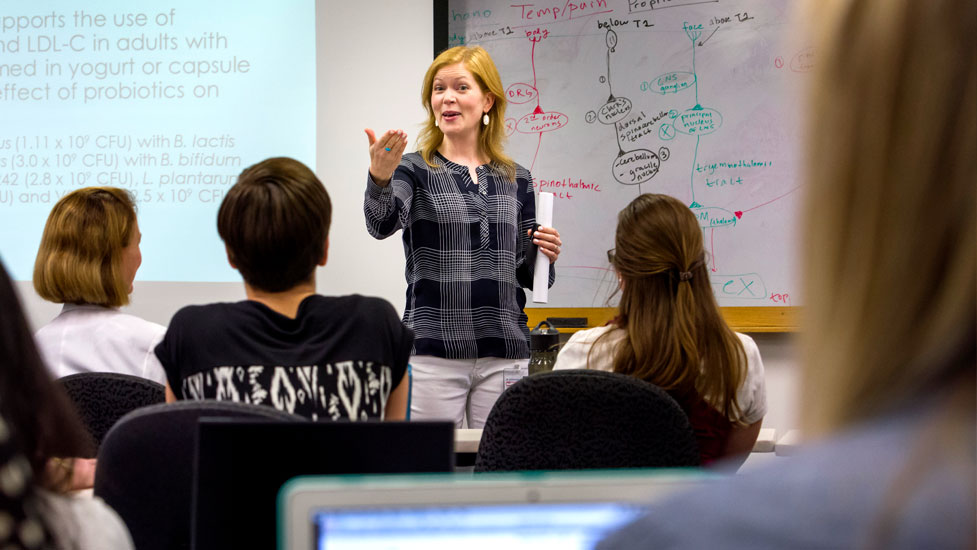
[{"x": 609, "y": 99}]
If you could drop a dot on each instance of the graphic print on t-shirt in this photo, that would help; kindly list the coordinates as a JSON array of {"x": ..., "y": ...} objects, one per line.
[{"x": 356, "y": 390}]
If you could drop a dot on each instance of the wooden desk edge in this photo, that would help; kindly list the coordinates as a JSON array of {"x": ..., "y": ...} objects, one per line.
[{"x": 740, "y": 319}]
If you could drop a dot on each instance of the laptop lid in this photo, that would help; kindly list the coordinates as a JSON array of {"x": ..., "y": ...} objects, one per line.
[
  {"x": 241, "y": 464},
  {"x": 509, "y": 511}
]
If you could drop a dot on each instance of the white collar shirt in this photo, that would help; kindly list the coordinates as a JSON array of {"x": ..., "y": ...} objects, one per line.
[{"x": 89, "y": 338}]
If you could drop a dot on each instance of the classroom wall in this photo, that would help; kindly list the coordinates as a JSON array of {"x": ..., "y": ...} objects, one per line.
[
  {"x": 371, "y": 58},
  {"x": 781, "y": 368}
]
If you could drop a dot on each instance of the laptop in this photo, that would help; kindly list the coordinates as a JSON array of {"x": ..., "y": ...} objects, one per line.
[
  {"x": 241, "y": 464},
  {"x": 529, "y": 510}
]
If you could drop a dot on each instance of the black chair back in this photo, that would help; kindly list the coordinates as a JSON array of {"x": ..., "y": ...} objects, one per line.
[
  {"x": 145, "y": 467},
  {"x": 102, "y": 398},
  {"x": 267, "y": 454},
  {"x": 585, "y": 419}
]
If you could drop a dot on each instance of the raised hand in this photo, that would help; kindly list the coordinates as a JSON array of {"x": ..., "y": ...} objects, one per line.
[{"x": 385, "y": 154}]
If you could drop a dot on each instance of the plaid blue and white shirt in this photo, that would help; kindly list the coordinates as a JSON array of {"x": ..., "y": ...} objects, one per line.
[{"x": 468, "y": 254}]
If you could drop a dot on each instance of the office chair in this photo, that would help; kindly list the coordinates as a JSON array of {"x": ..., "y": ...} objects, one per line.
[
  {"x": 583, "y": 419},
  {"x": 145, "y": 467},
  {"x": 102, "y": 398}
]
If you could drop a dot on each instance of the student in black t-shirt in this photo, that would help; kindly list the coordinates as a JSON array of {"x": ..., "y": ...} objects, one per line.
[{"x": 286, "y": 346}]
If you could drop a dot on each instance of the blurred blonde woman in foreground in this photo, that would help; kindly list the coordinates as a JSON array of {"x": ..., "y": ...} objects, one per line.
[{"x": 890, "y": 341}]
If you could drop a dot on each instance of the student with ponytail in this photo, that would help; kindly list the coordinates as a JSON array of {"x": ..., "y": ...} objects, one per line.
[{"x": 669, "y": 330}]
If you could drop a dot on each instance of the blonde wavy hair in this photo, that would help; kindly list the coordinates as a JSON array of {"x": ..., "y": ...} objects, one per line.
[
  {"x": 676, "y": 336},
  {"x": 491, "y": 137},
  {"x": 79, "y": 260},
  {"x": 891, "y": 260}
]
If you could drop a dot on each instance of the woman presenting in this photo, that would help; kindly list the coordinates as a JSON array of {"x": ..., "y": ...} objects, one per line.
[{"x": 468, "y": 216}]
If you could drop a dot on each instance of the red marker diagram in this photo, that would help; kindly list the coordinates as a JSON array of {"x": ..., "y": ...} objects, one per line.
[
  {"x": 801, "y": 62},
  {"x": 538, "y": 121}
]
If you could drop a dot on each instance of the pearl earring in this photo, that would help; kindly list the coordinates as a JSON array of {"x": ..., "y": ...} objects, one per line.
[
  {"x": 485, "y": 119},
  {"x": 435, "y": 122}
]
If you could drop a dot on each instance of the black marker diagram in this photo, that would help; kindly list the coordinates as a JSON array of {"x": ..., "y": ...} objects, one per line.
[{"x": 635, "y": 166}]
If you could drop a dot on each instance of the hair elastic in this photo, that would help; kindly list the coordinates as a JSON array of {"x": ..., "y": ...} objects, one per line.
[{"x": 684, "y": 275}]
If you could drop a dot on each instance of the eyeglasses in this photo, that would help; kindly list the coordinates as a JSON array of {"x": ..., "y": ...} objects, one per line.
[{"x": 610, "y": 256}]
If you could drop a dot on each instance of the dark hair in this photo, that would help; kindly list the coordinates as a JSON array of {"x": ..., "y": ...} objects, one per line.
[
  {"x": 41, "y": 416},
  {"x": 274, "y": 222}
]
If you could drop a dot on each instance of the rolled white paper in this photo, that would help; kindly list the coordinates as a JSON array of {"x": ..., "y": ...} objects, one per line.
[{"x": 541, "y": 278}]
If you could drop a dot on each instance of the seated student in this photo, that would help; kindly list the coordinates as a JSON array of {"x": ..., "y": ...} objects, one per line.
[
  {"x": 890, "y": 321},
  {"x": 286, "y": 346},
  {"x": 38, "y": 427},
  {"x": 87, "y": 260},
  {"x": 669, "y": 330}
]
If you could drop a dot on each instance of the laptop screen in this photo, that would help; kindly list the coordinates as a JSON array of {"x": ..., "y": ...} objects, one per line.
[
  {"x": 505, "y": 511},
  {"x": 512, "y": 526}
]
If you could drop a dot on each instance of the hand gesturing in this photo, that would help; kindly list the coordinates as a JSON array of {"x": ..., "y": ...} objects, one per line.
[{"x": 385, "y": 154}]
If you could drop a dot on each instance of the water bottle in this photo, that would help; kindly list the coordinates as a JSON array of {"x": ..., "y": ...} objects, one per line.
[{"x": 544, "y": 344}]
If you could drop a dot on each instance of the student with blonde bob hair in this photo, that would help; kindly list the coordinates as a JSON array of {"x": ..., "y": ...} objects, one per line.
[
  {"x": 87, "y": 260},
  {"x": 468, "y": 214},
  {"x": 669, "y": 330},
  {"x": 890, "y": 334}
]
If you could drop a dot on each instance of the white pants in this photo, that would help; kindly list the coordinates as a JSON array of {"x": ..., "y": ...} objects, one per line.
[{"x": 451, "y": 389}]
